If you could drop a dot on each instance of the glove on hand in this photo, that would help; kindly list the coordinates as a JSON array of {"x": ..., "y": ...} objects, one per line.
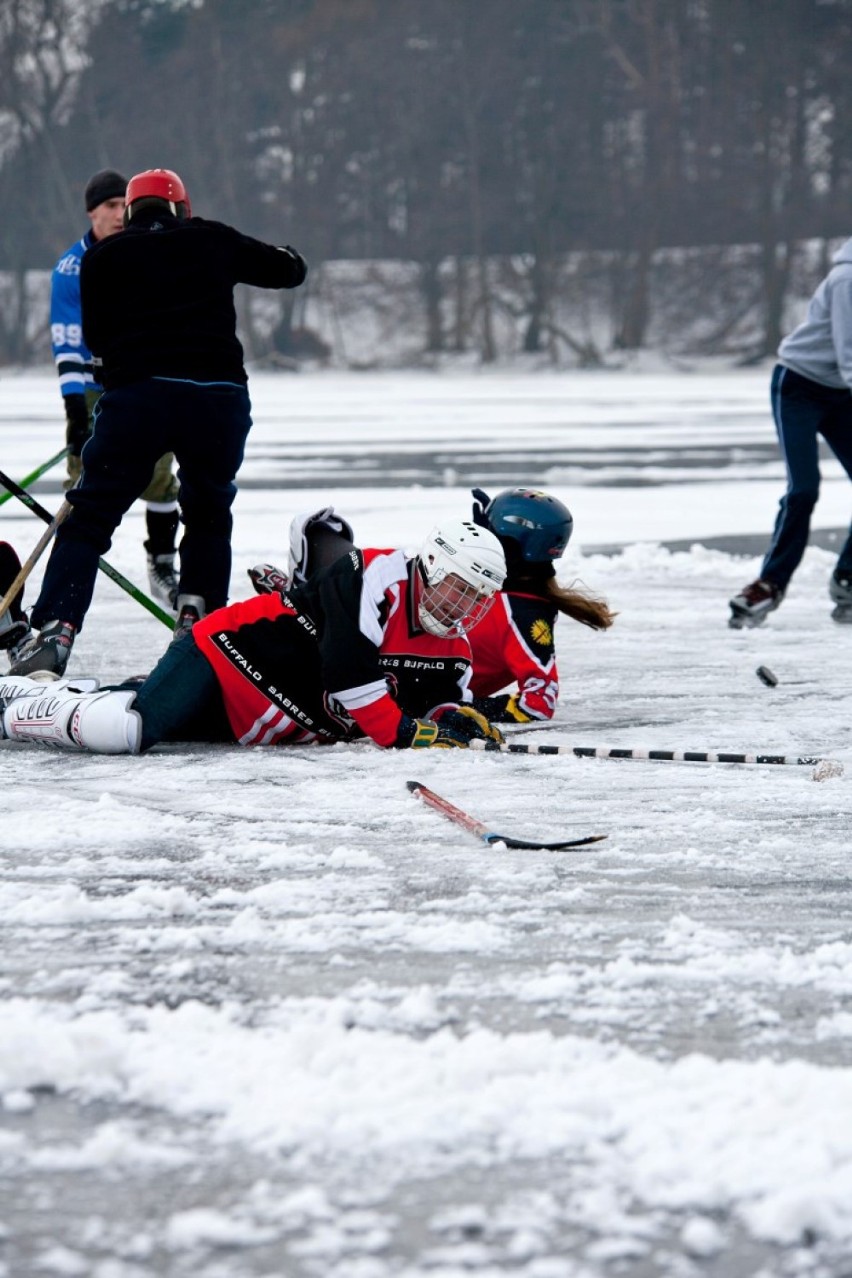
[
  {"x": 482, "y": 500},
  {"x": 424, "y": 734},
  {"x": 77, "y": 423},
  {"x": 465, "y": 723},
  {"x": 267, "y": 579},
  {"x": 300, "y": 266},
  {"x": 502, "y": 709},
  {"x": 449, "y": 727}
]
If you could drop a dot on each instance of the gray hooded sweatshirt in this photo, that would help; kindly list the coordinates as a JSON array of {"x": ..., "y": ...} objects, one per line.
[{"x": 821, "y": 347}]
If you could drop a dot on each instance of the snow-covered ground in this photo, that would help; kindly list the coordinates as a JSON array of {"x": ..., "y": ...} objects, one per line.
[{"x": 263, "y": 1013}]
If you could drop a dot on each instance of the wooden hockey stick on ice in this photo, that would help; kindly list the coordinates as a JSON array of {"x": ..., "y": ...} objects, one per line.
[
  {"x": 490, "y": 837},
  {"x": 41, "y": 545}
]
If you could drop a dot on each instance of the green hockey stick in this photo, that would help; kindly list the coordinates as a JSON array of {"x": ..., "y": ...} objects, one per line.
[
  {"x": 120, "y": 580},
  {"x": 37, "y": 473}
]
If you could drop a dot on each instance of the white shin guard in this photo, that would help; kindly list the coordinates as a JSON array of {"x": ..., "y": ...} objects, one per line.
[{"x": 102, "y": 722}]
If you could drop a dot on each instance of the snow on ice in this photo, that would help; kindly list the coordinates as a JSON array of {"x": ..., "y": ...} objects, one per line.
[{"x": 262, "y": 1013}]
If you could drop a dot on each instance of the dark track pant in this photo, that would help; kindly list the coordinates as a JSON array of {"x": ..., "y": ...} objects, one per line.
[
  {"x": 804, "y": 410},
  {"x": 205, "y": 425},
  {"x": 181, "y": 699}
]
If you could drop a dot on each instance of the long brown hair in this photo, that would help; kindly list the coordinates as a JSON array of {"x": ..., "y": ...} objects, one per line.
[
  {"x": 581, "y": 606},
  {"x": 570, "y": 600}
]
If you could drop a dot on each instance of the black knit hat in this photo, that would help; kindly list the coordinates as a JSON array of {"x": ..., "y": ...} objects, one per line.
[{"x": 105, "y": 185}]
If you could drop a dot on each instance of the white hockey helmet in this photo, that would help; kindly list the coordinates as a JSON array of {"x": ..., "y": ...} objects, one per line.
[{"x": 461, "y": 568}]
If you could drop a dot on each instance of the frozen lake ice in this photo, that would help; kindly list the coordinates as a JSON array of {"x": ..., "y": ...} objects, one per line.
[{"x": 262, "y": 1013}]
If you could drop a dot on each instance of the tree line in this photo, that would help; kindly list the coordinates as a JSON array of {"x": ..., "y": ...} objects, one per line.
[{"x": 455, "y": 135}]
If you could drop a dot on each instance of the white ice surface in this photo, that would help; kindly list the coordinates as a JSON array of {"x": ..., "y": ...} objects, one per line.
[{"x": 353, "y": 1041}]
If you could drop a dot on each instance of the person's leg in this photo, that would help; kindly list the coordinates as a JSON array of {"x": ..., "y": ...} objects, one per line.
[
  {"x": 62, "y": 716},
  {"x": 117, "y": 463},
  {"x": 181, "y": 700},
  {"x": 161, "y": 514},
  {"x": 838, "y": 435},
  {"x": 209, "y": 446},
  {"x": 799, "y": 411},
  {"x": 161, "y": 523}
]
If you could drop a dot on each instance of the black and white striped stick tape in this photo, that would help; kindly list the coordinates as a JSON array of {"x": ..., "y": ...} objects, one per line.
[{"x": 830, "y": 767}]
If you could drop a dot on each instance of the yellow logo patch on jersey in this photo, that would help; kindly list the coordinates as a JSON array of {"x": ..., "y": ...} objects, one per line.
[{"x": 541, "y": 633}]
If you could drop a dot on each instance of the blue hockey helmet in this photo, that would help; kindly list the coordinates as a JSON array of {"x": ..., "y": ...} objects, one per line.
[{"x": 537, "y": 526}]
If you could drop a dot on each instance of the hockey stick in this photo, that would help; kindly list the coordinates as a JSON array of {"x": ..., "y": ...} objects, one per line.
[
  {"x": 663, "y": 756},
  {"x": 120, "y": 580},
  {"x": 37, "y": 473},
  {"x": 447, "y": 809},
  {"x": 62, "y": 513}
]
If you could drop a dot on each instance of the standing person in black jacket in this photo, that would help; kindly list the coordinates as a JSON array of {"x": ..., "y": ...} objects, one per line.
[
  {"x": 104, "y": 198},
  {"x": 159, "y": 318}
]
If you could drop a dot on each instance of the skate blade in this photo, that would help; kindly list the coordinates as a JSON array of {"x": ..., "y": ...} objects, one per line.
[{"x": 744, "y": 621}]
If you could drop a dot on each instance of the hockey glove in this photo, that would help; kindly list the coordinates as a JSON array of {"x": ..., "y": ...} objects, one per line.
[
  {"x": 479, "y": 506},
  {"x": 77, "y": 423},
  {"x": 425, "y": 734},
  {"x": 503, "y": 709},
  {"x": 300, "y": 266},
  {"x": 267, "y": 579},
  {"x": 465, "y": 723}
]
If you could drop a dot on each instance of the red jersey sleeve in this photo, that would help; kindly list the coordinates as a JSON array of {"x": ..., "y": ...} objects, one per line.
[{"x": 513, "y": 644}]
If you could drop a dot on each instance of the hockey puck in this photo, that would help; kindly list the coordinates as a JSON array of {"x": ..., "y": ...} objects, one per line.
[{"x": 765, "y": 675}]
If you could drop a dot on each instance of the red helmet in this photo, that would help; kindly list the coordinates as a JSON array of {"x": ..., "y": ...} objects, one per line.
[{"x": 158, "y": 184}]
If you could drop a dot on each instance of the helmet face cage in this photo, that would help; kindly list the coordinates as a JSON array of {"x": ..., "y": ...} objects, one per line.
[
  {"x": 452, "y": 606},
  {"x": 461, "y": 568},
  {"x": 158, "y": 184},
  {"x": 539, "y": 524}
]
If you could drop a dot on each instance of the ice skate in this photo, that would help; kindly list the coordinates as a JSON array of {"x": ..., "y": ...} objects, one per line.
[
  {"x": 45, "y": 654},
  {"x": 163, "y": 580},
  {"x": 753, "y": 604},
  {"x": 840, "y": 590},
  {"x": 190, "y": 608}
]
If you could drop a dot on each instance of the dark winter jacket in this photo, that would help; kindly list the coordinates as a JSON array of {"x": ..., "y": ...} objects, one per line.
[{"x": 158, "y": 298}]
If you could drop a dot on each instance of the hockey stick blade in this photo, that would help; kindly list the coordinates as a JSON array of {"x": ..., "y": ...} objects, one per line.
[{"x": 490, "y": 837}]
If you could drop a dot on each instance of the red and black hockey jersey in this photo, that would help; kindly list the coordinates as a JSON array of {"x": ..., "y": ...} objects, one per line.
[
  {"x": 513, "y": 643},
  {"x": 340, "y": 657}
]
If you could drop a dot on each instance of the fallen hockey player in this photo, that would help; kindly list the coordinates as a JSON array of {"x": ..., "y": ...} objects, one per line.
[
  {"x": 512, "y": 643},
  {"x": 373, "y": 646}
]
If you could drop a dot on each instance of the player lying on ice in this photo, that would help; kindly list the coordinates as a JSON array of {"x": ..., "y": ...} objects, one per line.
[
  {"x": 373, "y": 646},
  {"x": 512, "y": 643}
]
